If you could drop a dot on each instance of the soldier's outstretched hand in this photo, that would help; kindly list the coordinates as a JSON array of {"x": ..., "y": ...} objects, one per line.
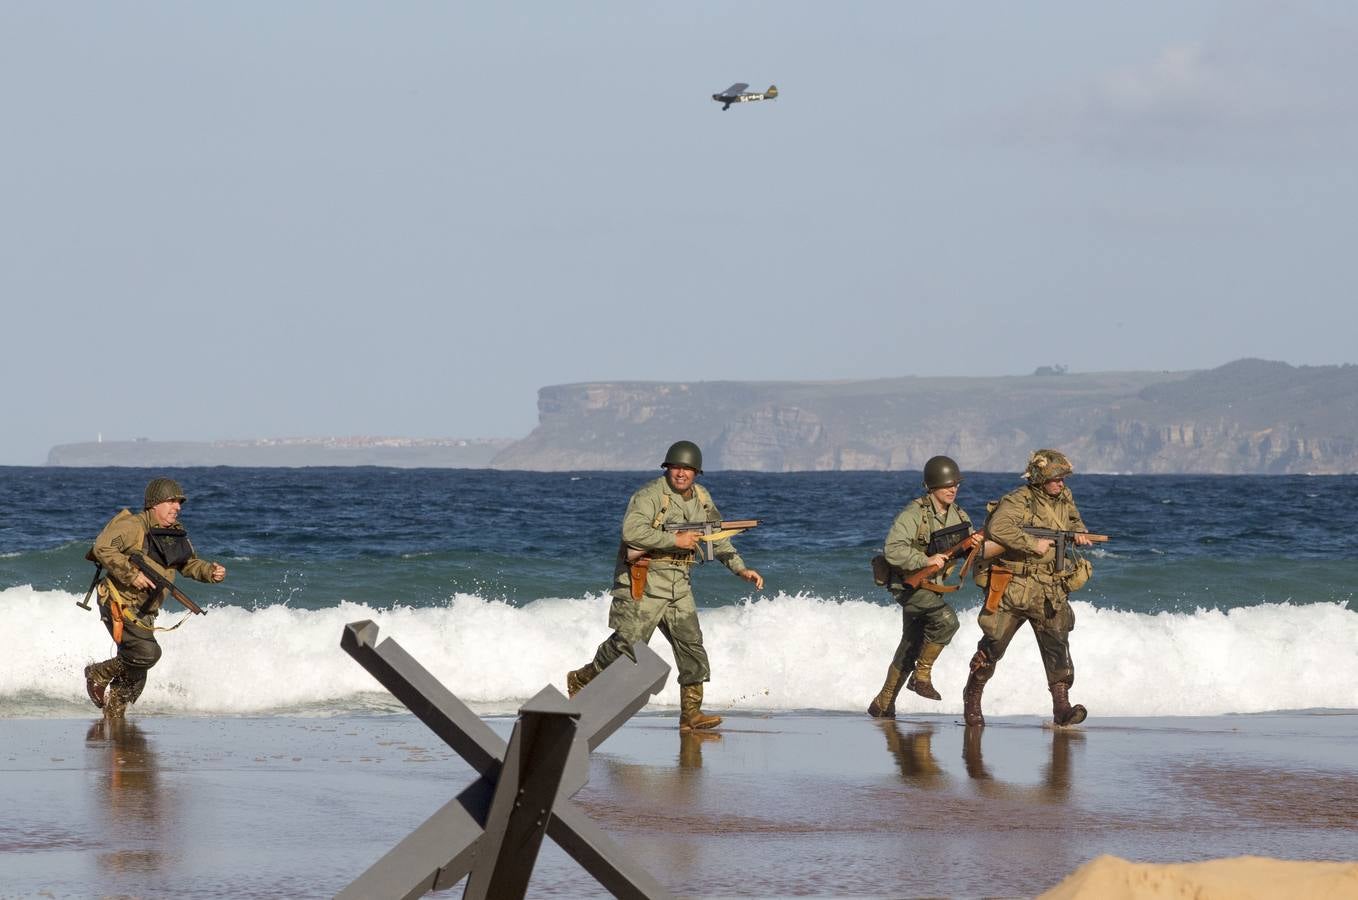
[{"x": 752, "y": 575}]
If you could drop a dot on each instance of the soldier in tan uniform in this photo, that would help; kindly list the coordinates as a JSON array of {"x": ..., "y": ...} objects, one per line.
[
  {"x": 1037, "y": 593},
  {"x": 665, "y": 600},
  {"x": 129, "y": 601},
  {"x": 928, "y": 527}
]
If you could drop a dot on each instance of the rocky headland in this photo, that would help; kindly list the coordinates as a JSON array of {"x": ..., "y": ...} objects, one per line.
[{"x": 1249, "y": 416}]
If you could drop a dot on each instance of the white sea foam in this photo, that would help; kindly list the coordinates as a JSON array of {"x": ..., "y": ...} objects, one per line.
[{"x": 783, "y": 653}]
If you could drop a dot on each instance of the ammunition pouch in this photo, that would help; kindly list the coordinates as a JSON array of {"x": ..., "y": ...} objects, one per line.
[
  {"x": 1079, "y": 576},
  {"x": 881, "y": 571},
  {"x": 169, "y": 547},
  {"x": 945, "y": 539}
]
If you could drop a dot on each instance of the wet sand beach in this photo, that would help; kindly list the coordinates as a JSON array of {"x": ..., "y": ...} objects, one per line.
[{"x": 785, "y": 805}]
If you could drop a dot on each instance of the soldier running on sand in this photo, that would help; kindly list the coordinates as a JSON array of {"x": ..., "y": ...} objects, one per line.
[
  {"x": 1036, "y": 592},
  {"x": 660, "y": 593},
  {"x": 129, "y": 601},
  {"x": 922, "y": 533}
]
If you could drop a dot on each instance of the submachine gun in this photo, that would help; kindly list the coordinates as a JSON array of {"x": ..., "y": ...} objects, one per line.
[
  {"x": 164, "y": 584},
  {"x": 712, "y": 531},
  {"x": 1062, "y": 539},
  {"x": 160, "y": 581}
]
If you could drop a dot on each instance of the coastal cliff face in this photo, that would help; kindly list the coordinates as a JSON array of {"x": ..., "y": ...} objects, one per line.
[{"x": 1249, "y": 416}]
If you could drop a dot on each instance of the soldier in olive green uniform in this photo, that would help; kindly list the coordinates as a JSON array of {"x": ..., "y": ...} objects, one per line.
[
  {"x": 129, "y": 601},
  {"x": 666, "y": 601},
  {"x": 923, "y": 531},
  {"x": 1037, "y": 593}
]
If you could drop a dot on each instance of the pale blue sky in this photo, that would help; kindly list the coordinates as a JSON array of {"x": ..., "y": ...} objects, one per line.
[{"x": 233, "y": 220}]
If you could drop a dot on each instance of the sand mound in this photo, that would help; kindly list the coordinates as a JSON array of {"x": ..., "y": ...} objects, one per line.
[{"x": 1241, "y": 878}]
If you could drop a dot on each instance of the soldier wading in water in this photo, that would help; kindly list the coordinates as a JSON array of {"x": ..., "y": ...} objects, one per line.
[
  {"x": 651, "y": 580},
  {"x": 129, "y": 601},
  {"x": 1023, "y": 585},
  {"x": 922, "y": 534}
]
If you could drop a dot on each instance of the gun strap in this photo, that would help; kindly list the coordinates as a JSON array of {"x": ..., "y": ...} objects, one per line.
[
  {"x": 122, "y": 612},
  {"x": 660, "y": 516},
  {"x": 721, "y": 535}
]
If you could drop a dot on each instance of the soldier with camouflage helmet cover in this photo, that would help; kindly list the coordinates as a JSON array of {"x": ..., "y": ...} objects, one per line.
[
  {"x": 129, "y": 601},
  {"x": 659, "y": 592},
  {"x": 922, "y": 533},
  {"x": 1036, "y": 592}
]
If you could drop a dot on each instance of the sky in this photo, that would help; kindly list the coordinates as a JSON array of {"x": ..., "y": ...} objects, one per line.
[{"x": 242, "y": 220}]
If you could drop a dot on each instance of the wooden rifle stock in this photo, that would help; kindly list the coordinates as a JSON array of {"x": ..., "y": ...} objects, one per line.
[
  {"x": 164, "y": 584},
  {"x": 918, "y": 578}
]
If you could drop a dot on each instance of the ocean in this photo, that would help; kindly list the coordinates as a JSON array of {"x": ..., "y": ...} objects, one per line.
[{"x": 1216, "y": 595}]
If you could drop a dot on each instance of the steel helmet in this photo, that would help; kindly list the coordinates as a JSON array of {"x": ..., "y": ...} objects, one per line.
[
  {"x": 160, "y": 490},
  {"x": 1047, "y": 465},
  {"x": 941, "y": 471},
  {"x": 684, "y": 453}
]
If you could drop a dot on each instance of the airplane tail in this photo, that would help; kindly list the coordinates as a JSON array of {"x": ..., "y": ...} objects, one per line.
[{"x": 772, "y": 91}]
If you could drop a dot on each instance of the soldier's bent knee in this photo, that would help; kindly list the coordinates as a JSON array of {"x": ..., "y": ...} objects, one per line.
[
  {"x": 141, "y": 654},
  {"x": 944, "y": 627}
]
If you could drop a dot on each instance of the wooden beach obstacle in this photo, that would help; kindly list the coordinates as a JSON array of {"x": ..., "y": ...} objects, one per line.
[{"x": 492, "y": 831}]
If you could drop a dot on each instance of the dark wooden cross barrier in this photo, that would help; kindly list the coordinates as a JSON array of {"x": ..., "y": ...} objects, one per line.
[{"x": 492, "y": 831}]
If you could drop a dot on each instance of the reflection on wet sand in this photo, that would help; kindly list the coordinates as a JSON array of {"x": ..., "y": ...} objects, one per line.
[
  {"x": 914, "y": 755},
  {"x": 128, "y": 796},
  {"x": 1056, "y": 782},
  {"x": 691, "y": 747}
]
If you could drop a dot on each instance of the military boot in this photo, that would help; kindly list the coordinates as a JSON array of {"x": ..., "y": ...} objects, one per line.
[
  {"x": 883, "y": 706},
  {"x": 99, "y": 675},
  {"x": 921, "y": 678},
  {"x": 1062, "y": 711},
  {"x": 580, "y": 677},
  {"x": 94, "y": 688},
  {"x": 115, "y": 701},
  {"x": 691, "y": 715},
  {"x": 981, "y": 670}
]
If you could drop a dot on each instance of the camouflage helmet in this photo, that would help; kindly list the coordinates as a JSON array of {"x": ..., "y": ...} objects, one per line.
[
  {"x": 941, "y": 471},
  {"x": 684, "y": 453},
  {"x": 1047, "y": 465},
  {"x": 160, "y": 490}
]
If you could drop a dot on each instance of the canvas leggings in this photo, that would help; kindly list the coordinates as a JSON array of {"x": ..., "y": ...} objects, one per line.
[
  {"x": 677, "y": 618},
  {"x": 1046, "y": 609},
  {"x": 925, "y": 617}
]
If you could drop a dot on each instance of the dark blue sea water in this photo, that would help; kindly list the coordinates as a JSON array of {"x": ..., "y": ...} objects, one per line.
[
  {"x": 513, "y": 565},
  {"x": 312, "y": 537}
]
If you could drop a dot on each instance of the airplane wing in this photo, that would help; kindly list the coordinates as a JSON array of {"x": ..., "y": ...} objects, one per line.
[{"x": 734, "y": 90}]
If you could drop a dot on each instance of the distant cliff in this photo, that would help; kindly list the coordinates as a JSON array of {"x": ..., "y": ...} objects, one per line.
[
  {"x": 1249, "y": 416},
  {"x": 407, "y": 453}
]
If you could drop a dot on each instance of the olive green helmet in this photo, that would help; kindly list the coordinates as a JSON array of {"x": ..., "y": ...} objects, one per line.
[
  {"x": 941, "y": 471},
  {"x": 684, "y": 453},
  {"x": 160, "y": 490},
  {"x": 1047, "y": 465}
]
